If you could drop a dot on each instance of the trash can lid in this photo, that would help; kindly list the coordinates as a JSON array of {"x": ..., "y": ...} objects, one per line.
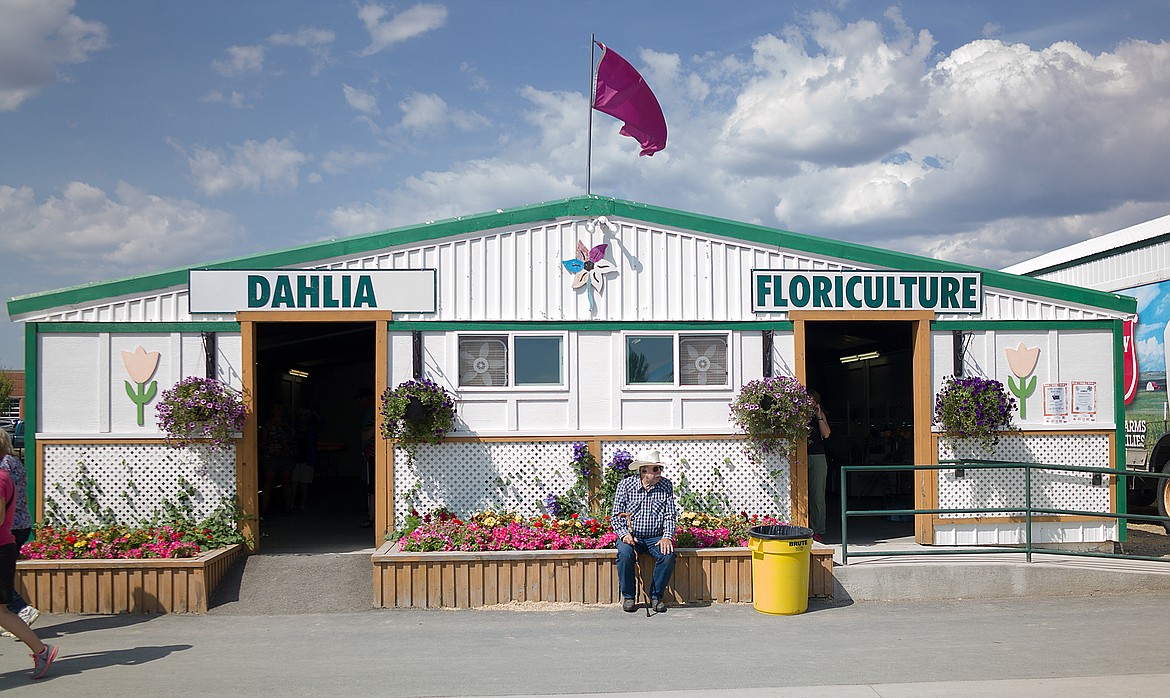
[{"x": 775, "y": 532}]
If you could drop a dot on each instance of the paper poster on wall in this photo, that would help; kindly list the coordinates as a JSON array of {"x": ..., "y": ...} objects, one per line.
[
  {"x": 1056, "y": 403},
  {"x": 1084, "y": 401}
]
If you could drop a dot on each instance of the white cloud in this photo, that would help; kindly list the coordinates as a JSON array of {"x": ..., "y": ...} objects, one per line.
[
  {"x": 272, "y": 165},
  {"x": 234, "y": 99},
  {"x": 240, "y": 60},
  {"x": 341, "y": 161},
  {"x": 407, "y": 24},
  {"x": 429, "y": 113},
  {"x": 316, "y": 41},
  {"x": 360, "y": 100},
  {"x": 482, "y": 185},
  {"x": 1151, "y": 355},
  {"x": 86, "y": 233},
  {"x": 861, "y": 132},
  {"x": 36, "y": 38},
  {"x": 478, "y": 83}
]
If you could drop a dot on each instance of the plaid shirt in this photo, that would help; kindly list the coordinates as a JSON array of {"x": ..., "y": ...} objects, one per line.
[{"x": 651, "y": 510}]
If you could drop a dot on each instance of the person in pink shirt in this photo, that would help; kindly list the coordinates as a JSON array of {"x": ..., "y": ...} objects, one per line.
[{"x": 43, "y": 654}]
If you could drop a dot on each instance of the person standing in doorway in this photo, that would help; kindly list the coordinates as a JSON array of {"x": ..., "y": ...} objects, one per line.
[
  {"x": 276, "y": 458},
  {"x": 818, "y": 468},
  {"x": 306, "y": 437}
]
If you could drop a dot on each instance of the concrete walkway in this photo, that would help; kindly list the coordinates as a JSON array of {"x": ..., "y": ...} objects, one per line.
[{"x": 1099, "y": 646}]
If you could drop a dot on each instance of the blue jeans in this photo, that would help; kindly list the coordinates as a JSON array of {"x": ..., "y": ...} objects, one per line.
[
  {"x": 818, "y": 475},
  {"x": 628, "y": 555},
  {"x": 15, "y": 603}
]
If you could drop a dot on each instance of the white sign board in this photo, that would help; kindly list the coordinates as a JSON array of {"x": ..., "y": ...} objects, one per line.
[
  {"x": 781, "y": 290},
  {"x": 396, "y": 290}
]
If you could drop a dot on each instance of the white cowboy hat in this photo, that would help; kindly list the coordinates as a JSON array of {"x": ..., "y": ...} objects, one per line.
[{"x": 647, "y": 457}]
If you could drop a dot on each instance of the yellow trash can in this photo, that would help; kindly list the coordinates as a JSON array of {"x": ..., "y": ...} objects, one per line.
[{"x": 780, "y": 562}]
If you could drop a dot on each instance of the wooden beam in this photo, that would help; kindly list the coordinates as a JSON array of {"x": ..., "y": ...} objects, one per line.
[{"x": 247, "y": 452}]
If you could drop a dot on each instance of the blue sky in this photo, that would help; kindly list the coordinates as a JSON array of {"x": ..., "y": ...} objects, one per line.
[{"x": 139, "y": 136}]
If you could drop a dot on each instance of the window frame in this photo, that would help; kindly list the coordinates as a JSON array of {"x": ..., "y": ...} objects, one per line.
[
  {"x": 511, "y": 386},
  {"x": 675, "y": 349}
]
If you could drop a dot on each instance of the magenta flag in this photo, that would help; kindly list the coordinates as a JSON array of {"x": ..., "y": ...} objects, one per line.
[{"x": 624, "y": 95}]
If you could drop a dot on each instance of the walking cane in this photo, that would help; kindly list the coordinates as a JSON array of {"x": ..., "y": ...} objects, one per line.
[{"x": 645, "y": 593}]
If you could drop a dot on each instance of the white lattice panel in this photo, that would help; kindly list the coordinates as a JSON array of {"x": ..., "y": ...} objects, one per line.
[
  {"x": 720, "y": 466},
  {"x": 467, "y": 477},
  {"x": 132, "y": 480},
  {"x": 1051, "y": 489}
]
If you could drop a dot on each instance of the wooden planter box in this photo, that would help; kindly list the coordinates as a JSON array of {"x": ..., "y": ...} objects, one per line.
[
  {"x": 468, "y": 580},
  {"x": 124, "y": 586}
]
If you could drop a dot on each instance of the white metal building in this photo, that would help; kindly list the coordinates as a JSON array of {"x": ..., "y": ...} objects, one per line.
[{"x": 677, "y": 312}]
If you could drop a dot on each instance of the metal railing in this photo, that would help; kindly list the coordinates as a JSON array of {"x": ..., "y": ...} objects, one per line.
[{"x": 1028, "y": 547}]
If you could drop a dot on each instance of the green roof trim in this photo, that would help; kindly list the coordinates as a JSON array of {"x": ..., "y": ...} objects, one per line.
[
  {"x": 136, "y": 326},
  {"x": 584, "y": 325},
  {"x": 590, "y": 205}
]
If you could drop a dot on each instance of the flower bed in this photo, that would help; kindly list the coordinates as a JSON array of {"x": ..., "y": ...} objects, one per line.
[
  {"x": 114, "y": 543},
  {"x": 144, "y": 585},
  {"x": 494, "y": 531},
  {"x": 121, "y": 569},
  {"x": 494, "y": 558},
  {"x": 474, "y": 579}
]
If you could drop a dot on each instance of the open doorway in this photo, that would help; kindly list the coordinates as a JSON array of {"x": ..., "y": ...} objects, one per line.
[
  {"x": 864, "y": 371},
  {"x": 308, "y": 376}
]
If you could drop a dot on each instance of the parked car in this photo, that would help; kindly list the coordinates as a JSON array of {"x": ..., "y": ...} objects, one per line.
[{"x": 18, "y": 435}]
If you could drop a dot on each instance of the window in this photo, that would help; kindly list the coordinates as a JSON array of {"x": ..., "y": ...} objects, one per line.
[
  {"x": 499, "y": 361},
  {"x": 650, "y": 360},
  {"x": 538, "y": 360},
  {"x": 700, "y": 360},
  {"x": 483, "y": 361}
]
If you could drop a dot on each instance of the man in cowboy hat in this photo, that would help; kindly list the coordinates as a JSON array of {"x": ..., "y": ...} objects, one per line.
[{"x": 643, "y": 519}]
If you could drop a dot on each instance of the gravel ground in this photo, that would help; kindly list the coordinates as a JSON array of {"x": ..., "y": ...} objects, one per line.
[{"x": 1147, "y": 540}]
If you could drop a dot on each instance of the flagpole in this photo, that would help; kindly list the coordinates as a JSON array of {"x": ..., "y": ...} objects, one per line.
[{"x": 589, "y": 148}]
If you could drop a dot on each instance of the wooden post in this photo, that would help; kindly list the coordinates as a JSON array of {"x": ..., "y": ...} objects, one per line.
[{"x": 247, "y": 472}]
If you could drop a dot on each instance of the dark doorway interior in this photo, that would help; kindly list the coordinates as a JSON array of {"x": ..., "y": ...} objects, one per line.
[
  {"x": 314, "y": 371},
  {"x": 864, "y": 373}
]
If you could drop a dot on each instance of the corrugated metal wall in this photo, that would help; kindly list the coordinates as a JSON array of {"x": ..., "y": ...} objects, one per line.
[{"x": 517, "y": 275}]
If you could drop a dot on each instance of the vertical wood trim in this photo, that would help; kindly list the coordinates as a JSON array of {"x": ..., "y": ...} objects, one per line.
[
  {"x": 383, "y": 461},
  {"x": 247, "y": 474},
  {"x": 105, "y": 592},
  {"x": 798, "y": 471},
  {"x": 925, "y": 447},
  {"x": 593, "y": 496},
  {"x": 104, "y": 388},
  {"x": 38, "y": 511},
  {"x": 926, "y": 488}
]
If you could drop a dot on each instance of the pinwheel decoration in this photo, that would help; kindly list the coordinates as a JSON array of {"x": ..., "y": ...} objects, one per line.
[{"x": 589, "y": 270}]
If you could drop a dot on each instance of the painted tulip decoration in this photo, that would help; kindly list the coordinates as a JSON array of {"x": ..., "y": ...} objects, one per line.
[
  {"x": 589, "y": 270},
  {"x": 974, "y": 407},
  {"x": 1022, "y": 361},
  {"x": 140, "y": 365}
]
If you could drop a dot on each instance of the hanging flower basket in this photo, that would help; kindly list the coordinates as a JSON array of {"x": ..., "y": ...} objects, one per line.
[
  {"x": 417, "y": 412},
  {"x": 199, "y": 410},
  {"x": 974, "y": 408},
  {"x": 775, "y": 414}
]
